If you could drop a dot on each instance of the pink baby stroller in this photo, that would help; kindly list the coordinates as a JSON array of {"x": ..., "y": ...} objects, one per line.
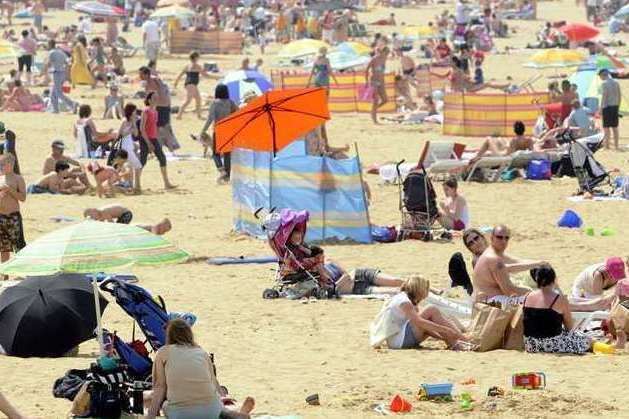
[{"x": 298, "y": 274}]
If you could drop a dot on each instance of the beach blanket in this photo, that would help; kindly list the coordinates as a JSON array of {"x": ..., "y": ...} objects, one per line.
[
  {"x": 241, "y": 260},
  {"x": 580, "y": 198}
]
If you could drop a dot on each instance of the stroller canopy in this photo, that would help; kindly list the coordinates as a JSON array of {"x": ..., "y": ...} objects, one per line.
[{"x": 283, "y": 227}]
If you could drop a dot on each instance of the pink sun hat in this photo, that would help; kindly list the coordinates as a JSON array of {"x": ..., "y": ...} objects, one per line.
[{"x": 615, "y": 268}]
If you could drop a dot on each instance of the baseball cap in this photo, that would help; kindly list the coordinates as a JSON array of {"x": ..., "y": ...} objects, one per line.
[
  {"x": 615, "y": 268},
  {"x": 58, "y": 144}
]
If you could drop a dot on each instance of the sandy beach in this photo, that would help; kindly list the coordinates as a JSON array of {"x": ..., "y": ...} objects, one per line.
[{"x": 282, "y": 351}]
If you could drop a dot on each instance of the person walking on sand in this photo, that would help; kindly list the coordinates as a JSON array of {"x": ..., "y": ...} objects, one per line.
[
  {"x": 152, "y": 83},
  {"x": 374, "y": 77},
  {"x": 610, "y": 105},
  {"x": 150, "y": 143},
  {"x": 57, "y": 65},
  {"x": 192, "y": 72},
  {"x": 12, "y": 192}
]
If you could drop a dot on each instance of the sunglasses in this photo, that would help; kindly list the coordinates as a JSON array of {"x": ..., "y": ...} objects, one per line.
[
  {"x": 505, "y": 238},
  {"x": 472, "y": 240}
]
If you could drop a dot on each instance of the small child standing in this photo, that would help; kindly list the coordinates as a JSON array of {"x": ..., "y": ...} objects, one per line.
[{"x": 114, "y": 103}]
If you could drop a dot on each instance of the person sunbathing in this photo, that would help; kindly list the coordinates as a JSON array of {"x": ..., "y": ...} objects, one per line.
[
  {"x": 57, "y": 182},
  {"x": 491, "y": 277},
  {"x": 21, "y": 99},
  {"x": 361, "y": 281},
  {"x": 454, "y": 213},
  {"x": 77, "y": 171},
  {"x": 495, "y": 146},
  {"x": 402, "y": 324},
  {"x": 117, "y": 213}
]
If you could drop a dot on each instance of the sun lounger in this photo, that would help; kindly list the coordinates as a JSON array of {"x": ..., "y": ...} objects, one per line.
[
  {"x": 521, "y": 159},
  {"x": 442, "y": 158},
  {"x": 498, "y": 164}
]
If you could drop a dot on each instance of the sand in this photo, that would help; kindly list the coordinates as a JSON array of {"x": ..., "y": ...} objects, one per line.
[{"x": 282, "y": 351}]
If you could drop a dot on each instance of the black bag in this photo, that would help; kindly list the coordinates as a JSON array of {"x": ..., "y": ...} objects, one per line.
[
  {"x": 107, "y": 401},
  {"x": 69, "y": 385},
  {"x": 115, "y": 146},
  {"x": 418, "y": 192}
]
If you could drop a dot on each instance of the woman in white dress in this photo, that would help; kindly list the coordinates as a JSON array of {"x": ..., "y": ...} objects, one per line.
[{"x": 127, "y": 132}]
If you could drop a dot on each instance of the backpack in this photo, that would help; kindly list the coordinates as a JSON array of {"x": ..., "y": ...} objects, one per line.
[
  {"x": 113, "y": 150},
  {"x": 107, "y": 401}
]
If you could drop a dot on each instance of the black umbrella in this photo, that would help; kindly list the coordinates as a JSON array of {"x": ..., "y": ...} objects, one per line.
[{"x": 48, "y": 315}]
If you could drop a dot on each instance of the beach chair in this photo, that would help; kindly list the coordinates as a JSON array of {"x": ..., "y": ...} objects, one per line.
[
  {"x": 442, "y": 158},
  {"x": 493, "y": 166}
]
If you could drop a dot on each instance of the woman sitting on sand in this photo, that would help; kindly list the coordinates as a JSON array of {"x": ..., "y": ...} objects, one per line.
[
  {"x": 595, "y": 279},
  {"x": 547, "y": 318},
  {"x": 454, "y": 213},
  {"x": 404, "y": 325},
  {"x": 185, "y": 381},
  {"x": 20, "y": 99}
]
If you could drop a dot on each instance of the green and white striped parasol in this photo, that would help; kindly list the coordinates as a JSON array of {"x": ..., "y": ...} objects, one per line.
[{"x": 92, "y": 246}]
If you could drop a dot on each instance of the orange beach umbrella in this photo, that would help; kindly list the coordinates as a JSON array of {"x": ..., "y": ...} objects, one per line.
[{"x": 273, "y": 120}]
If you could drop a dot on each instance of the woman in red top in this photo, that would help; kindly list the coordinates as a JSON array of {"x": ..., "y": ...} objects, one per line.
[{"x": 150, "y": 143}]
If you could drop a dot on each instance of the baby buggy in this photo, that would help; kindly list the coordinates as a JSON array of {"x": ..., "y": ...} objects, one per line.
[
  {"x": 580, "y": 156},
  {"x": 297, "y": 276},
  {"x": 417, "y": 204}
]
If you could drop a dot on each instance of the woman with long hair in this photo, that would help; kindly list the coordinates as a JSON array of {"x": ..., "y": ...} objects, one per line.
[
  {"x": 184, "y": 377},
  {"x": 79, "y": 70}
]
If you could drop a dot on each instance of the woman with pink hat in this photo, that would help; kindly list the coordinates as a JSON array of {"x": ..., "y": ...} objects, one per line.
[{"x": 595, "y": 279}]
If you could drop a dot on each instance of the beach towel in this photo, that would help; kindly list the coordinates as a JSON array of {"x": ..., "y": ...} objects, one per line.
[{"x": 241, "y": 260}]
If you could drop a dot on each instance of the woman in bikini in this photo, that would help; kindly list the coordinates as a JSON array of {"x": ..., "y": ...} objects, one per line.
[
  {"x": 374, "y": 76},
  {"x": 321, "y": 71},
  {"x": 192, "y": 72}
]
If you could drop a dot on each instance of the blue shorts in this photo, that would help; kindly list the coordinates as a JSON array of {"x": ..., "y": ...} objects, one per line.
[{"x": 410, "y": 341}]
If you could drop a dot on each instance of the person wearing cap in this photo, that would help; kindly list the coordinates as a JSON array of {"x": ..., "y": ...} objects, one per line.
[
  {"x": 594, "y": 280},
  {"x": 610, "y": 105},
  {"x": 77, "y": 171}
]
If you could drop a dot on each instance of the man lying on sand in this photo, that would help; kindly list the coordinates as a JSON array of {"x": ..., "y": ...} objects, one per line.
[
  {"x": 116, "y": 213},
  {"x": 58, "y": 181}
]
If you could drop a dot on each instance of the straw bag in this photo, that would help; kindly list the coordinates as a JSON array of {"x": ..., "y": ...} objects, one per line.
[
  {"x": 488, "y": 326},
  {"x": 514, "y": 335}
]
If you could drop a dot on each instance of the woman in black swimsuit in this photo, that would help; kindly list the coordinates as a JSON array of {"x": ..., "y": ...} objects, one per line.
[{"x": 192, "y": 72}]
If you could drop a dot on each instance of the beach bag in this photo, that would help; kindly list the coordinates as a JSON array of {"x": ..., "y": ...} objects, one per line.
[
  {"x": 106, "y": 401},
  {"x": 365, "y": 93},
  {"x": 387, "y": 234},
  {"x": 514, "y": 335},
  {"x": 488, "y": 326},
  {"x": 117, "y": 145},
  {"x": 81, "y": 403},
  {"x": 68, "y": 386},
  {"x": 538, "y": 170},
  {"x": 620, "y": 316}
]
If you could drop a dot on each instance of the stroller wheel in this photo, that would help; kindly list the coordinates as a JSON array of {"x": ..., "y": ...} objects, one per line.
[{"x": 270, "y": 294}]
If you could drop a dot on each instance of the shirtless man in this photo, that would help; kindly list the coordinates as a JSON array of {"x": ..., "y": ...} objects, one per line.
[
  {"x": 12, "y": 192},
  {"x": 503, "y": 147},
  {"x": 491, "y": 274},
  {"x": 76, "y": 172},
  {"x": 116, "y": 213},
  {"x": 57, "y": 182}
]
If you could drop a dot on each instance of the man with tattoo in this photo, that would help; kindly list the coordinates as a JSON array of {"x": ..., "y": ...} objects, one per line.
[{"x": 491, "y": 274}]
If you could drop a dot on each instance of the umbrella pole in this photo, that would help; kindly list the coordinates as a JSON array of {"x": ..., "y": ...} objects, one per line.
[{"x": 99, "y": 325}]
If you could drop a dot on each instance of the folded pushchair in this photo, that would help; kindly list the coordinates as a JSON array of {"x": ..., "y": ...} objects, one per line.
[
  {"x": 417, "y": 204},
  {"x": 150, "y": 315},
  {"x": 305, "y": 281},
  {"x": 580, "y": 161}
]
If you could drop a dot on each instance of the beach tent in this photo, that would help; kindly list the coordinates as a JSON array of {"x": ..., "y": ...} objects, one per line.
[
  {"x": 589, "y": 85},
  {"x": 330, "y": 190},
  {"x": 483, "y": 114}
]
